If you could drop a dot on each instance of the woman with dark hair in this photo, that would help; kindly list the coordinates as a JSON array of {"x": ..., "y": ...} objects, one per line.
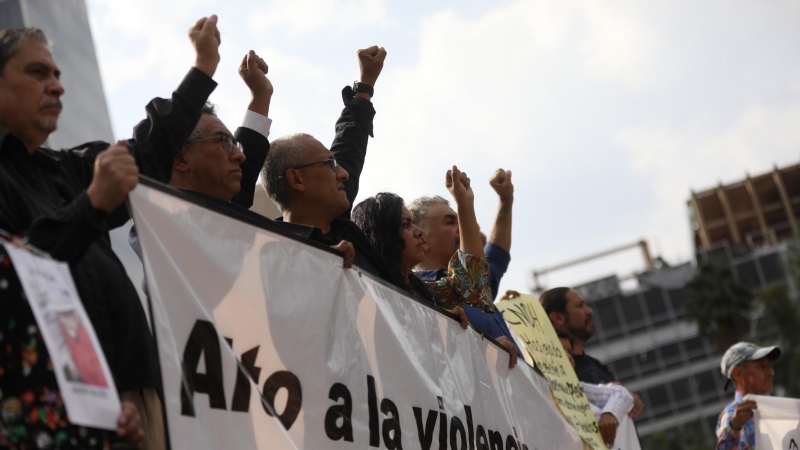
[{"x": 389, "y": 226}]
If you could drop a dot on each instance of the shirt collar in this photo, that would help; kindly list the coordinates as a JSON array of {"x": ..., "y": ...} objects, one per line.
[{"x": 737, "y": 398}]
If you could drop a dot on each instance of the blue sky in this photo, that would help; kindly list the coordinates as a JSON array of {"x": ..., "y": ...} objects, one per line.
[{"x": 607, "y": 113}]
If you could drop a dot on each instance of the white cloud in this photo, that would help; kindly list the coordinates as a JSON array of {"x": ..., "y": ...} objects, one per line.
[{"x": 301, "y": 17}]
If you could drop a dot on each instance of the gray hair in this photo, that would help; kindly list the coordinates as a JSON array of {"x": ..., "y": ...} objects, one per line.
[
  {"x": 419, "y": 207},
  {"x": 197, "y": 133},
  {"x": 284, "y": 153},
  {"x": 12, "y": 38}
]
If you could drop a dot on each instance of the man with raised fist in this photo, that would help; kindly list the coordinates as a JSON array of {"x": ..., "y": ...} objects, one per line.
[
  {"x": 315, "y": 187},
  {"x": 440, "y": 223},
  {"x": 65, "y": 202}
]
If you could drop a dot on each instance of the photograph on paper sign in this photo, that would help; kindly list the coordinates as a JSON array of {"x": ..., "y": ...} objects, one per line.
[{"x": 83, "y": 364}]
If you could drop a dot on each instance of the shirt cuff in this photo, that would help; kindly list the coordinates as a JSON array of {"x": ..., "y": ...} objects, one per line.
[{"x": 257, "y": 123}]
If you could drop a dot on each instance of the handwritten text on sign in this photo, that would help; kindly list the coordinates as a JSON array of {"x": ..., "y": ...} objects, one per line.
[{"x": 527, "y": 318}]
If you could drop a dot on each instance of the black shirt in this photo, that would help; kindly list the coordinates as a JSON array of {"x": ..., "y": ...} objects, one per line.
[
  {"x": 353, "y": 129},
  {"x": 592, "y": 371},
  {"x": 43, "y": 198}
]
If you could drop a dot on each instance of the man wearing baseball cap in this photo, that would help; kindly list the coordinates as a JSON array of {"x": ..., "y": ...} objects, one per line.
[{"x": 748, "y": 367}]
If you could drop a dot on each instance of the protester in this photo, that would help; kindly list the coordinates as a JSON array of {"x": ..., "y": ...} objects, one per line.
[
  {"x": 569, "y": 312},
  {"x": 315, "y": 187},
  {"x": 439, "y": 222},
  {"x": 611, "y": 402},
  {"x": 64, "y": 202},
  {"x": 389, "y": 226},
  {"x": 748, "y": 367},
  {"x": 28, "y": 386}
]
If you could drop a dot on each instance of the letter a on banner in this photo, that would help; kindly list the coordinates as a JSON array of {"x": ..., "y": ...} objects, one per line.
[{"x": 527, "y": 318}]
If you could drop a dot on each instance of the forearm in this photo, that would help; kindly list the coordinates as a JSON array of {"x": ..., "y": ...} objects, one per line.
[
  {"x": 259, "y": 103},
  {"x": 501, "y": 231},
  {"x": 469, "y": 230}
]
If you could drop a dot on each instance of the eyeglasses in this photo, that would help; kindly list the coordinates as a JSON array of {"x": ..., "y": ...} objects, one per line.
[
  {"x": 329, "y": 161},
  {"x": 228, "y": 143}
]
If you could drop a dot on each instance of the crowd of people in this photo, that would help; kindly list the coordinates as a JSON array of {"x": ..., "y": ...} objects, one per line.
[{"x": 64, "y": 202}]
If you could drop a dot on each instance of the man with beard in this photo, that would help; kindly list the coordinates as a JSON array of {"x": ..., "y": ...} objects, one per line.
[{"x": 569, "y": 312}]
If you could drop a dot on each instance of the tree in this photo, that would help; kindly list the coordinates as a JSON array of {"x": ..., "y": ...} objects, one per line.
[
  {"x": 685, "y": 439},
  {"x": 719, "y": 303},
  {"x": 782, "y": 315}
]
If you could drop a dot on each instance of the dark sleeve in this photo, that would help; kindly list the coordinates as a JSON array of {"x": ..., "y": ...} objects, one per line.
[
  {"x": 498, "y": 259},
  {"x": 353, "y": 130},
  {"x": 66, "y": 234},
  {"x": 256, "y": 147},
  {"x": 159, "y": 138}
]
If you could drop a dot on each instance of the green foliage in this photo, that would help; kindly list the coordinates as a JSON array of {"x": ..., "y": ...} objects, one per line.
[
  {"x": 782, "y": 316},
  {"x": 719, "y": 303}
]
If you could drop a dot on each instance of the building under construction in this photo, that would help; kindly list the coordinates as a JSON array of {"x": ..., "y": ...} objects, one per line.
[{"x": 643, "y": 334}]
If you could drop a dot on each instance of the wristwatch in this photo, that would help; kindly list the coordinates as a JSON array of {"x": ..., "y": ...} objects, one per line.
[{"x": 365, "y": 88}]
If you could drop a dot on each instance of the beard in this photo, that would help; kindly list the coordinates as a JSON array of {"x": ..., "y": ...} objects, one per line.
[
  {"x": 50, "y": 124},
  {"x": 584, "y": 332}
]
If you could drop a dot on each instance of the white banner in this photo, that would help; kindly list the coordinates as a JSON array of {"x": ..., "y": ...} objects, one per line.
[
  {"x": 777, "y": 422},
  {"x": 344, "y": 361}
]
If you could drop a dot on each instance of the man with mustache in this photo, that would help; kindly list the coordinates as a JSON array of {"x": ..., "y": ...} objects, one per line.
[
  {"x": 65, "y": 202},
  {"x": 568, "y": 312}
]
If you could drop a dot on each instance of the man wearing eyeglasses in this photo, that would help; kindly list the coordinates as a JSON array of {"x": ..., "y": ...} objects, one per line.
[{"x": 315, "y": 187}]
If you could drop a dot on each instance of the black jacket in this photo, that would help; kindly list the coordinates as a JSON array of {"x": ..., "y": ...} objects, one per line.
[{"x": 43, "y": 198}]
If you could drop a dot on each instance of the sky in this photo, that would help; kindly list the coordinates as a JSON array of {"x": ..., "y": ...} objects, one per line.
[{"x": 607, "y": 113}]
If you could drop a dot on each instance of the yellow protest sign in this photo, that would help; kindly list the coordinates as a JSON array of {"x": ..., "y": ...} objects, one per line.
[{"x": 526, "y": 316}]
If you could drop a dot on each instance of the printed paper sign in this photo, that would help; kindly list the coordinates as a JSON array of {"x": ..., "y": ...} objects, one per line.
[
  {"x": 87, "y": 387},
  {"x": 526, "y": 316}
]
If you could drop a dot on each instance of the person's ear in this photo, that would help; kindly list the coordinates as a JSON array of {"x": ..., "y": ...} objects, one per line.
[
  {"x": 295, "y": 180},
  {"x": 181, "y": 163},
  {"x": 557, "y": 318}
]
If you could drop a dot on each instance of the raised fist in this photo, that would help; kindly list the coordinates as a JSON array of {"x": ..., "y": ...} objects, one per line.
[
  {"x": 205, "y": 39},
  {"x": 253, "y": 71},
  {"x": 501, "y": 183},
  {"x": 115, "y": 174},
  {"x": 370, "y": 60},
  {"x": 457, "y": 183}
]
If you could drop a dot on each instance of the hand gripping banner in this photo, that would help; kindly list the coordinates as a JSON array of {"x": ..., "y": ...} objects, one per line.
[{"x": 266, "y": 342}]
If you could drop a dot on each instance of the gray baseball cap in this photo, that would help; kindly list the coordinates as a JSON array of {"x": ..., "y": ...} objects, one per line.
[{"x": 745, "y": 351}]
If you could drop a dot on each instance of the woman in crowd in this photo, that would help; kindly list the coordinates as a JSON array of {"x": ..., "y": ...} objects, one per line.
[{"x": 390, "y": 227}]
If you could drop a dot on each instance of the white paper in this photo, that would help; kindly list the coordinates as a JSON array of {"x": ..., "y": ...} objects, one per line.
[
  {"x": 777, "y": 422},
  {"x": 86, "y": 384}
]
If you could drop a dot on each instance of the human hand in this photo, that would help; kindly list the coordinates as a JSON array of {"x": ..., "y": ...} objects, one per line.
[
  {"x": 510, "y": 295},
  {"x": 608, "y": 428},
  {"x": 129, "y": 424},
  {"x": 638, "y": 406},
  {"x": 462, "y": 316},
  {"x": 501, "y": 183},
  {"x": 253, "y": 71},
  {"x": 348, "y": 253},
  {"x": 370, "y": 61},
  {"x": 115, "y": 174},
  {"x": 743, "y": 413},
  {"x": 512, "y": 349},
  {"x": 206, "y": 40},
  {"x": 457, "y": 183}
]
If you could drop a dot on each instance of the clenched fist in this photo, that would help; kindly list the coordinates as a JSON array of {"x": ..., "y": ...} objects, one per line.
[
  {"x": 205, "y": 39},
  {"x": 115, "y": 174},
  {"x": 501, "y": 183},
  {"x": 457, "y": 183},
  {"x": 370, "y": 60},
  {"x": 253, "y": 71}
]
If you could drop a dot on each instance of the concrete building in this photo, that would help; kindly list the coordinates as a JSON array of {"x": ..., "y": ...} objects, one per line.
[{"x": 643, "y": 335}]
